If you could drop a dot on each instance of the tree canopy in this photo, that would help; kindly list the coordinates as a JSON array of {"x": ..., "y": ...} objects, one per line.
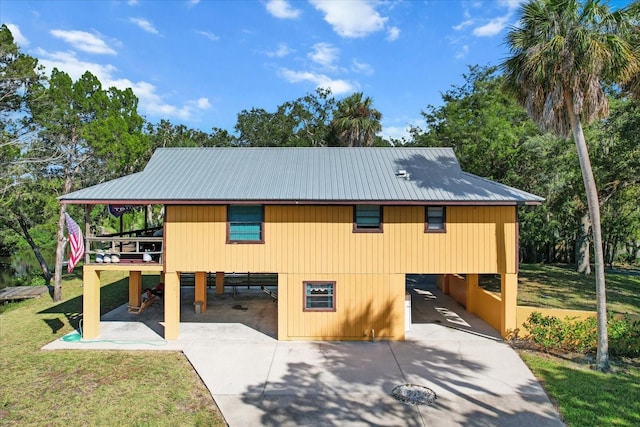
[
  {"x": 95, "y": 134},
  {"x": 356, "y": 122}
]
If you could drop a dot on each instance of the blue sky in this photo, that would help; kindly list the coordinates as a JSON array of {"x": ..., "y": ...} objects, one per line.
[{"x": 201, "y": 62}]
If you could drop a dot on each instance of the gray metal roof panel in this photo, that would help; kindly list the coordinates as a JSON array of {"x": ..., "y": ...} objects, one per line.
[{"x": 302, "y": 174}]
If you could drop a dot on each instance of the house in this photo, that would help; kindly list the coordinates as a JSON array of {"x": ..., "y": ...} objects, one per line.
[{"x": 340, "y": 227}]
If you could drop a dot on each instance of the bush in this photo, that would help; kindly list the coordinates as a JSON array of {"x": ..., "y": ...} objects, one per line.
[
  {"x": 624, "y": 337},
  {"x": 580, "y": 336}
]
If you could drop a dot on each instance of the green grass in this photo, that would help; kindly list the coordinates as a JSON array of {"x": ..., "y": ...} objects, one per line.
[
  {"x": 586, "y": 397},
  {"x": 88, "y": 387},
  {"x": 555, "y": 286}
]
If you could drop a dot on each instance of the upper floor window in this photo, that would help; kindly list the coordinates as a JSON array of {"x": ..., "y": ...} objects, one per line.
[
  {"x": 245, "y": 224},
  {"x": 367, "y": 218},
  {"x": 435, "y": 221}
]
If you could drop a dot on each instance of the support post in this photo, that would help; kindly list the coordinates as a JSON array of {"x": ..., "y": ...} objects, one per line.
[
  {"x": 171, "y": 306},
  {"x": 509, "y": 294},
  {"x": 90, "y": 303},
  {"x": 219, "y": 282},
  {"x": 445, "y": 284},
  {"x": 201, "y": 290},
  {"x": 283, "y": 314},
  {"x": 87, "y": 234},
  {"x": 472, "y": 281},
  {"x": 135, "y": 288}
]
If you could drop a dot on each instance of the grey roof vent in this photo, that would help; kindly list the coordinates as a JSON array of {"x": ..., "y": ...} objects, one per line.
[{"x": 403, "y": 174}]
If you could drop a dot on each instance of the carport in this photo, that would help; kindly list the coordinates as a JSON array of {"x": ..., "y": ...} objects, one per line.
[{"x": 257, "y": 380}]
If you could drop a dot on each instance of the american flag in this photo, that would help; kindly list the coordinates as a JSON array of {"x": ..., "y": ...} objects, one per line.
[{"x": 75, "y": 241}]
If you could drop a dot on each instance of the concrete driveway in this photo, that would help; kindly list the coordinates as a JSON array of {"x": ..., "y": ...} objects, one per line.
[{"x": 259, "y": 381}]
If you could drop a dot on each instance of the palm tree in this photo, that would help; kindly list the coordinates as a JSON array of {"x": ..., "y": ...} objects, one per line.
[
  {"x": 562, "y": 53},
  {"x": 355, "y": 122}
]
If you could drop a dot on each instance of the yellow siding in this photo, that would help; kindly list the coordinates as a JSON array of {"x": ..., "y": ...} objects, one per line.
[
  {"x": 367, "y": 305},
  {"x": 458, "y": 289},
  {"x": 319, "y": 239},
  {"x": 311, "y": 243},
  {"x": 487, "y": 306}
]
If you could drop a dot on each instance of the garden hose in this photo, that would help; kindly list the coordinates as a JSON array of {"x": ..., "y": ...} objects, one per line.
[{"x": 76, "y": 336}]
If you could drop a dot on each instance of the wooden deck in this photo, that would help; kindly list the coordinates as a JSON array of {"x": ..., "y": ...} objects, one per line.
[{"x": 14, "y": 293}]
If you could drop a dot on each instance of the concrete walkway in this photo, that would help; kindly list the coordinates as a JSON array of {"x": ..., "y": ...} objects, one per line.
[{"x": 259, "y": 381}]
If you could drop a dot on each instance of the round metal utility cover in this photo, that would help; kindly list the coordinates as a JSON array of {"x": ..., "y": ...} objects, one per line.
[{"x": 413, "y": 394}]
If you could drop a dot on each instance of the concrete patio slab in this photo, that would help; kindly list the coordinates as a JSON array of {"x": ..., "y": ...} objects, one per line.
[{"x": 259, "y": 381}]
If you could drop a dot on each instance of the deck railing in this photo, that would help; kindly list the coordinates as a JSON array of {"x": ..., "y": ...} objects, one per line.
[{"x": 127, "y": 249}]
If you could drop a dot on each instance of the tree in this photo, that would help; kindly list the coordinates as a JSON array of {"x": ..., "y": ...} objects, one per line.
[
  {"x": 617, "y": 170},
  {"x": 94, "y": 133},
  {"x": 304, "y": 122},
  {"x": 18, "y": 75},
  {"x": 355, "y": 122},
  {"x": 312, "y": 116},
  {"x": 562, "y": 52},
  {"x": 165, "y": 134},
  {"x": 484, "y": 125},
  {"x": 260, "y": 128}
]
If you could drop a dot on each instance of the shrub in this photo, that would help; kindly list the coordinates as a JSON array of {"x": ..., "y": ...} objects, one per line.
[
  {"x": 624, "y": 337},
  {"x": 574, "y": 335}
]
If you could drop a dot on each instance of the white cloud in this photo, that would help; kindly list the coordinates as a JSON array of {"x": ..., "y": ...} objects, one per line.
[
  {"x": 203, "y": 103},
  {"x": 399, "y": 132},
  {"x": 394, "y": 132},
  {"x": 145, "y": 25},
  {"x": 282, "y": 51},
  {"x": 393, "y": 33},
  {"x": 84, "y": 41},
  {"x": 282, "y": 9},
  {"x": 18, "y": 37},
  {"x": 511, "y": 4},
  {"x": 70, "y": 64},
  {"x": 495, "y": 25},
  {"x": 463, "y": 24},
  {"x": 464, "y": 50},
  {"x": 361, "y": 67},
  {"x": 337, "y": 87},
  {"x": 492, "y": 28},
  {"x": 208, "y": 35},
  {"x": 193, "y": 2},
  {"x": 356, "y": 18},
  {"x": 150, "y": 103},
  {"x": 324, "y": 54},
  {"x": 132, "y": 2}
]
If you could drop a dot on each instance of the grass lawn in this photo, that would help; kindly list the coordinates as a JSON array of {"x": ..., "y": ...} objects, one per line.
[
  {"x": 556, "y": 286},
  {"x": 586, "y": 397},
  {"x": 98, "y": 388},
  {"x": 583, "y": 396}
]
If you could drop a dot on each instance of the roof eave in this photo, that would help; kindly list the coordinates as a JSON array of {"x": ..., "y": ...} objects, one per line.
[{"x": 302, "y": 202}]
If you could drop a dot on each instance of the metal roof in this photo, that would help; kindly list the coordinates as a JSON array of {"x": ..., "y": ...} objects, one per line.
[{"x": 302, "y": 175}]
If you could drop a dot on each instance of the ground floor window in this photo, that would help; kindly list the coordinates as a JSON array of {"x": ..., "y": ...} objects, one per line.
[{"x": 319, "y": 296}]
